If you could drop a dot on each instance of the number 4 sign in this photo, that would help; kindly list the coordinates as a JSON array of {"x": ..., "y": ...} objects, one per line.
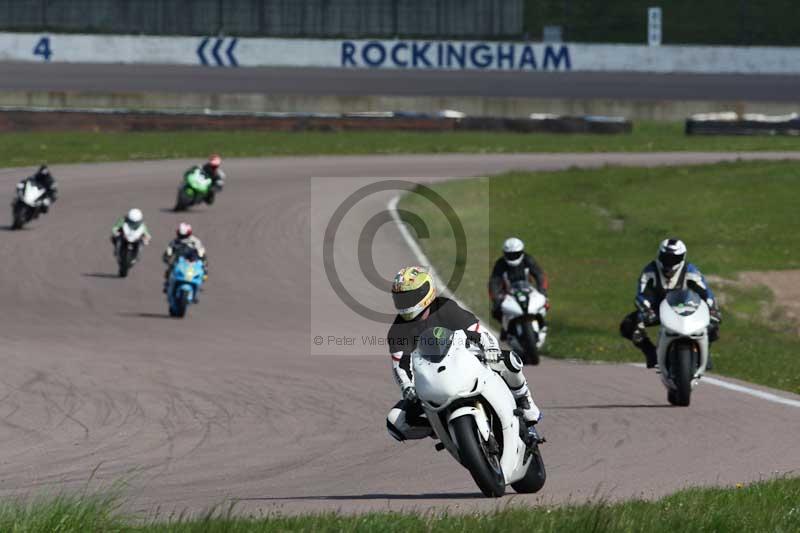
[{"x": 42, "y": 49}]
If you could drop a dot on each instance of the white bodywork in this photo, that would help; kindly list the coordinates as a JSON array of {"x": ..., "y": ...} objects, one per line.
[
  {"x": 685, "y": 322},
  {"x": 31, "y": 194},
  {"x": 460, "y": 374},
  {"x": 511, "y": 309},
  {"x": 132, "y": 235}
]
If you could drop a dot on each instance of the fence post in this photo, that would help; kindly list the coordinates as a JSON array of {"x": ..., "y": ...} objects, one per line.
[{"x": 395, "y": 16}]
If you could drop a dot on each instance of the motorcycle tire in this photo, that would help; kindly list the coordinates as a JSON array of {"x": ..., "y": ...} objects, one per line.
[
  {"x": 681, "y": 372},
  {"x": 181, "y": 202},
  {"x": 529, "y": 340},
  {"x": 180, "y": 304},
  {"x": 535, "y": 477},
  {"x": 18, "y": 216},
  {"x": 122, "y": 260},
  {"x": 475, "y": 458}
]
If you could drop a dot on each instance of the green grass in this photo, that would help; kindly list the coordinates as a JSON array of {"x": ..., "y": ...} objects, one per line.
[
  {"x": 62, "y": 513},
  {"x": 770, "y": 506},
  {"x": 593, "y": 231},
  {"x": 20, "y": 149}
]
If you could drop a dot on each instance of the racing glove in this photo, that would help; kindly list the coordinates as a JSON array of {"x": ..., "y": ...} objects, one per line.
[
  {"x": 491, "y": 349},
  {"x": 648, "y": 316},
  {"x": 410, "y": 393}
]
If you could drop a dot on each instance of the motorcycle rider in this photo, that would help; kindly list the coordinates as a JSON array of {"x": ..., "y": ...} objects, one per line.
[
  {"x": 44, "y": 180},
  {"x": 213, "y": 170},
  {"x": 669, "y": 271},
  {"x": 134, "y": 219},
  {"x": 419, "y": 308},
  {"x": 183, "y": 241},
  {"x": 515, "y": 265}
]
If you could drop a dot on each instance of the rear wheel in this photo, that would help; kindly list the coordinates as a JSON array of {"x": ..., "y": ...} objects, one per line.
[
  {"x": 535, "y": 476},
  {"x": 475, "y": 456},
  {"x": 681, "y": 372},
  {"x": 528, "y": 340}
]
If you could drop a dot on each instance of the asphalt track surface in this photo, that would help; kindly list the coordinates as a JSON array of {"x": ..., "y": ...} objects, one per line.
[
  {"x": 360, "y": 82},
  {"x": 236, "y": 403}
]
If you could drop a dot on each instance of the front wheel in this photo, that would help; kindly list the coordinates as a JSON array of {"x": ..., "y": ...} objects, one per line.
[
  {"x": 182, "y": 202},
  {"x": 535, "y": 476},
  {"x": 529, "y": 340},
  {"x": 482, "y": 465},
  {"x": 18, "y": 214},
  {"x": 122, "y": 260},
  {"x": 181, "y": 302},
  {"x": 681, "y": 372}
]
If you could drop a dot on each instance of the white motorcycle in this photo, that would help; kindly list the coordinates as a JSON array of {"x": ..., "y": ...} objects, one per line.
[
  {"x": 682, "y": 343},
  {"x": 520, "y": 308},
  {"x": 27, "y": 204},
  {"x": 127, "y": 247},
  {"x": 474, "y": 414}
]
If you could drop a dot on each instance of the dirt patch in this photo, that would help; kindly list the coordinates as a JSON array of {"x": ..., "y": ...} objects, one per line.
[{"x": 785, "y": 288}]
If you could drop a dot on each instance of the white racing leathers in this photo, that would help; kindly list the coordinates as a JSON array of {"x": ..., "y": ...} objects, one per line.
[{"x": 406, "y": 419}]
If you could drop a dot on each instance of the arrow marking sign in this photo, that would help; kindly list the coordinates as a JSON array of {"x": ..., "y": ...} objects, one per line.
[{"x": 216, "y": 59}]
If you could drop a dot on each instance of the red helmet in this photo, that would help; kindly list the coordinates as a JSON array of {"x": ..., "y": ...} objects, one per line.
[
  {"x": 214, "y": 160},
  {"x": 184, "y": 230}
]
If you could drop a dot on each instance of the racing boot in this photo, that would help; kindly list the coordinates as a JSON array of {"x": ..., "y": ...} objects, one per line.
[
  {"x": 527, "y": 409},
  {"x": 643, "y": 342},
  {"x": 531, "y": 414}
]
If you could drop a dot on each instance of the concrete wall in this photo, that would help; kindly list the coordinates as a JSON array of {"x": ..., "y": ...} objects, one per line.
[
  {"x": 402, "y": 54},
  {"x": 475, "y": 106}
]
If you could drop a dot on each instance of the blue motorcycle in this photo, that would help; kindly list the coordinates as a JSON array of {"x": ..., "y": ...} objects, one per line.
[{"x": 185, "y": 281}]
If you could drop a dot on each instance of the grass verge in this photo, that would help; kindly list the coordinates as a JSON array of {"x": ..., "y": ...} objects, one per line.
[
  {"x": 769, "y": 506},
  {"x": 20, "y": 149},
  {"x": 593, "y": 231}
]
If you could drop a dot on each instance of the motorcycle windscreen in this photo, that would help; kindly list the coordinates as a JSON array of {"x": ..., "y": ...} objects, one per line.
[
  {"x": 684, "y": 302},
  {"x": 434, "y": 343}
]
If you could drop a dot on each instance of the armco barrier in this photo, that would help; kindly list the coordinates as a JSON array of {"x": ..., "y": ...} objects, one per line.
[
  {"x": 746, "y": 124},
  {"x": 38, "y": 119}
]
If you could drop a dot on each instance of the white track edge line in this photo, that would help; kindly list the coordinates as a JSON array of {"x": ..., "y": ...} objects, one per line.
[
  {"x": 764, "y": 395},
  {"x": 423, "y": 259}
]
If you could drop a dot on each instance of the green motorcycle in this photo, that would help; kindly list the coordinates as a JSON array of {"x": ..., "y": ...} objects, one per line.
[{"x": 197, "y": 187}]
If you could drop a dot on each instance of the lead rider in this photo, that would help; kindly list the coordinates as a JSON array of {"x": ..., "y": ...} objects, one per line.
[{"x": 414, "y": 295}]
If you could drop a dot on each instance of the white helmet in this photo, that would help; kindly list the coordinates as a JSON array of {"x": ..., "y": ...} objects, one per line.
[
  {"x": 184, "y": 230},
  {"x": 513, "y": 251},
  {"x": 671, "y": 257},
  {"x": 134, "y": 217}
]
